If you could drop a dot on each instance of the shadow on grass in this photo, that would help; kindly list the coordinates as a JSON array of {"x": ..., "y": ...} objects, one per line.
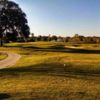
[
  {"x": 61, "y": 95},
  {"x": 69, "y": 50},
  {"x": 58, "y": 48},
  {"x": 54, "y": 69},
  {"x": 4, "y": 96}
]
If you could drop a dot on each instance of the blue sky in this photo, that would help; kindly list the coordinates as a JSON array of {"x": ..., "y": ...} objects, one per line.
[{"x": 62, "y": 17}]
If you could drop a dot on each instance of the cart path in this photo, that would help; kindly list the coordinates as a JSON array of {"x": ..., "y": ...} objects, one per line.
[{"x": 10, "y": 60}]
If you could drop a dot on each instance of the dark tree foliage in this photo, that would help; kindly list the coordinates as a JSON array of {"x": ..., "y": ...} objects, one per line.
[{"x": 13, "y": 22}]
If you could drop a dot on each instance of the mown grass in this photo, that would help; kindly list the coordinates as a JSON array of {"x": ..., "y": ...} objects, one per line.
[{"x": 52, "y": 71}]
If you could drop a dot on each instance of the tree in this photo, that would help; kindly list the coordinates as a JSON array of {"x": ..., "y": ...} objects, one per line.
[
  {"x": 13, "y": 22},
  {"x": 54, "y": 38}
]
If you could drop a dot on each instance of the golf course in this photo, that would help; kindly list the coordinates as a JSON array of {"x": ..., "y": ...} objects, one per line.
[
  {"x": 51, "y": 71},
  {"x": 49, "y": 49}
]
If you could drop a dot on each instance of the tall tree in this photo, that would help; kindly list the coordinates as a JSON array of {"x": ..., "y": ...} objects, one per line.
[{"x": 13, "y": 22}]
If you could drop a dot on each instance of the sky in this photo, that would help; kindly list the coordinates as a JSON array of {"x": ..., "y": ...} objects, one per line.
[{"x": 62, "y": 17}]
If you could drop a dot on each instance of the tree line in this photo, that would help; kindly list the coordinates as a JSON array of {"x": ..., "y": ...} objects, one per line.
[
  {"x": 14, "y": 27},
  {"x": 75, "y": 39}
]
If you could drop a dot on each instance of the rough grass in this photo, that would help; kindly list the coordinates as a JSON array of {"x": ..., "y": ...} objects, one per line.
[
  {"x": 3, "y": 56},
  {"x": 52, "y": 71}
]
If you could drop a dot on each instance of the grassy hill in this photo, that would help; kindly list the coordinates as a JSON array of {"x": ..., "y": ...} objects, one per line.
[{"x": 52, "y": 71}]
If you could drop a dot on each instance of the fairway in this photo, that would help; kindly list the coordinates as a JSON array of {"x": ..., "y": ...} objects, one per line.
[{"x": 52, "y": 71}]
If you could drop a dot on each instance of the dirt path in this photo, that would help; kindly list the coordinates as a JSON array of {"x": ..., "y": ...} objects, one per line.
[{"x": 10, "y": 60}]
